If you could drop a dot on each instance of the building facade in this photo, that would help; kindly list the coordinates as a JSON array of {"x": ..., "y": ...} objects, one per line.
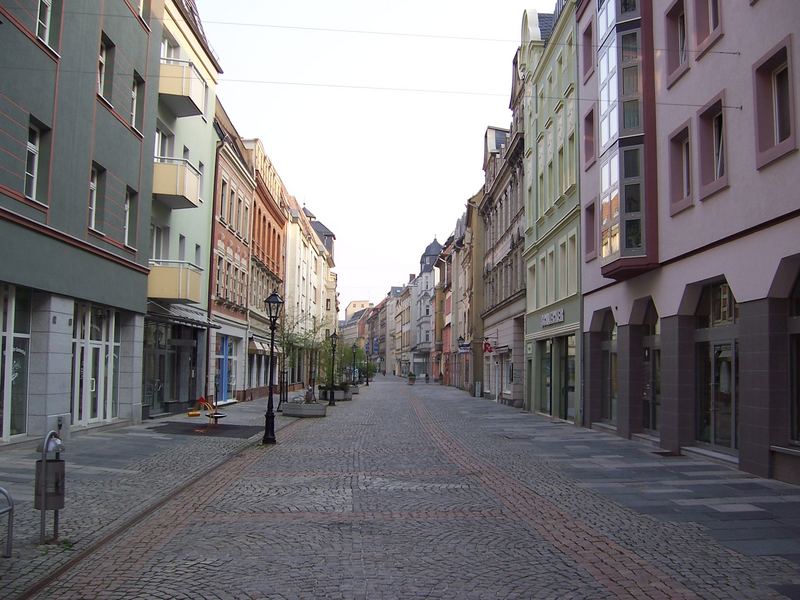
[
  {"x": 177, "y": 325},
  {"x": 267, "y": 266},
  {"x": 423, "y": 314},
  {"x": 75, "y": 201},
  {"x": 229, "y": 271},
  {"x": 690, "y": 239},
  {"x": 502, "y": 212},
  {"x": 552, "y": 241}
]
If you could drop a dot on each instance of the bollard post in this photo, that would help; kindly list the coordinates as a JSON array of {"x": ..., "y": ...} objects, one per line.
[{"x": 10, "y": 534}]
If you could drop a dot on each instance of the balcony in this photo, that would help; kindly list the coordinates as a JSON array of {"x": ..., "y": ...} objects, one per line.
[
  {"x": 174, "y": 280},
  {"x": 181, "y": 88},
  {"x": 176, "y": 182}
]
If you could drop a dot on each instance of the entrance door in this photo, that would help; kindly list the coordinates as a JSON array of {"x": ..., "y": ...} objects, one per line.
[
  {"x": 718, "y": 375},
  {"x": 93, "y": 370},
  {"x": 651, "y": 391}
]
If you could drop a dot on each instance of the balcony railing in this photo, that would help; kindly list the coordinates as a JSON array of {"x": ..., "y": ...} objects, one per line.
[
  {"x": 176, "y": 182},
  {"x": 181, "y": 87},
  {"x": 174, "y": 280}
]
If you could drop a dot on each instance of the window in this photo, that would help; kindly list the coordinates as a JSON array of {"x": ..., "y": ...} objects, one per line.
[
  {"x": 609, "y": 122},
  {"x": 158, "y": 237},
  {"x": 239, "y": 214},
  {"x": 105, "y": 68},
  {"x": 218, "y": 278},
  {"x": 181, "y": 247},
  {"x": 680, "y": 169},
  {"x": 572, "y": 265},
  {"x": 131, "y": 212},
  {"x": 627, "y": 6},
  {"x": 223, "y": 196},
  {"x": 587, "y": 52},
  {"x": 201, "y": 170},
  {"x": 198, "y": 259},
  {"x": 32, "y": 162},
  {"x": 708, "y": 24},
  {"x": 137, "y": 101},
  {"x": 165, "y": 142},
  {"x": 589, "y": 152},
  {"x": 96, "y": 189},
  {"x": 231, "y": 206},
  {"x": 562, "y": 270},
  {"x": 43, "y": 20},
  {"x": 609, "y": 208},
  {"x": 677, "y": 55},
  {"x": 246, "y": 227},
  {"x": 589, "y": 231},
  {"x": 631, "y": 94},
  {"x": 774, "y": 105},
  {"x": 633, "y": 208},
  {"x": 711, "y": 125},
  {"x": 606, "y": 17},
  {"x": 551, "y": 277}
]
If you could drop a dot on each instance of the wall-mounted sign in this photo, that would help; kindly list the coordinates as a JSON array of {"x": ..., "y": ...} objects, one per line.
[{"x": 553, "y": 317}]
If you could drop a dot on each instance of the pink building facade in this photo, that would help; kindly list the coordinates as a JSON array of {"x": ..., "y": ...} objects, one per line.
[{"x": 691, "y": 226}]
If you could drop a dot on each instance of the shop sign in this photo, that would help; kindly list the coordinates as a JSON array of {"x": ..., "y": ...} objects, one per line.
[{"x": 553, "y": 317}]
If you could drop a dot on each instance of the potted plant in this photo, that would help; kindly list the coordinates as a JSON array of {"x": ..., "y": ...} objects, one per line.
[{"x": 412, "y": 378}]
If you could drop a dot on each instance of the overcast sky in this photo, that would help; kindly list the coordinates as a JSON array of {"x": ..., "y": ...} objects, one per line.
[{"x": 373, "y": 112}]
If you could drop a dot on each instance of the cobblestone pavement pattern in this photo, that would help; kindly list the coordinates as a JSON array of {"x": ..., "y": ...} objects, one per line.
[{"x": 423, "y": 492}]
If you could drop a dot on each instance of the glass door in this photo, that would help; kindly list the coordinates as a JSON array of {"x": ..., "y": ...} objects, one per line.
[
  {"x": 651, "y": 391},
  {"x": 717, "y": 391},
  {"x": 93, "y": 382},
  {"x": 568, "y": 378}
]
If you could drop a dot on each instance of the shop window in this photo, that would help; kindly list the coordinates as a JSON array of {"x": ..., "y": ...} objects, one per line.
[
  {"x": 717, "y": 307},
  {"x": 15, "y": 339},
  {"x": 774, "y": 105}
]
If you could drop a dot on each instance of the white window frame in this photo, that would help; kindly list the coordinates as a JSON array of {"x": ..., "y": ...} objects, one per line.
[
  {"x": 134, "y": 99},
  {"x": 32, "y": 151},
  {"x": 93, "y": 199},
  {"x": 776, "y": 103},
  {"x": 126, "y": 229},
  {"x": 43, "y": 20},
  {"x": 682, "y": 38},
  {"x": 609, "y": 92},
  {"x": 609, "y": 186},
  {"x": 718, "y": 131},
  {"x": 101, "y": 68}
]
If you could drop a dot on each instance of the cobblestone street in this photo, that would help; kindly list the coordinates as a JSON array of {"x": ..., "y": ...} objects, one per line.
[{"x": 424, "y": 492}]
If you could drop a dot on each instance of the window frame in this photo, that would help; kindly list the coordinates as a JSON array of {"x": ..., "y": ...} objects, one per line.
[
  {"x": 612, "y": 159},
  {"x": 707, "y": 147},
  {"x": 32, "y": 149},
  {"x": 768, "y": 148},
  {"x": 679, "y": 139},
  {"x": 590, "y": 230},
  {"x": 46, "y": 24},
  {"x": 589, "y": 137},
  {"x": 676, "y": 65},
  {"x": 93, "y": 183},
  {"x": 705, "y": 35}
]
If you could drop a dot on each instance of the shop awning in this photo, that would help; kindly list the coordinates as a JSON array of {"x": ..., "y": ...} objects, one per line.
[
  {"x": 179, "y": 314},
  {"x": 256, "y": 347}
]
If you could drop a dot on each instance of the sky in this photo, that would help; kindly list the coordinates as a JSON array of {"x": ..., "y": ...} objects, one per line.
[{"x": 373, "y": 112}]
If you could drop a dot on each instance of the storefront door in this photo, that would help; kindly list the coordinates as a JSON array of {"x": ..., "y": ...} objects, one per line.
[
  {"x": 717, "y": 409},
  {"x": 95, "y": 364},
  {"x": 651, "y": 389}
]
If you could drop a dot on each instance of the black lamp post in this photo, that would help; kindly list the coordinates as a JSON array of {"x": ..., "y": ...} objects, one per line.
[
  {"x": 273, "y": 305},
  {"x": 334, "y": 337},
  {"x": 366, "y": 365}
]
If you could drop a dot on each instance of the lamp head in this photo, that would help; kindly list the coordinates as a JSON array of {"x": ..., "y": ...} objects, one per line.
[{"x": 273, "y": 304}]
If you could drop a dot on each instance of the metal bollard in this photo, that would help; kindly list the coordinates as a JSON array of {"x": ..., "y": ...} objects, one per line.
[{"x": 10, "y": 510}]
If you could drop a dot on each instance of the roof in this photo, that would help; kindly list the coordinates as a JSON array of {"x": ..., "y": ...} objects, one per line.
[
  {"x": 321, "y": 230},
  {"x": 192, "y": 16},
  {"x": 546, "y": 23}
]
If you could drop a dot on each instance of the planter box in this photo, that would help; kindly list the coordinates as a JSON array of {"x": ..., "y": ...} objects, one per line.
[
  {"x": 353, "y": 389},
  {"x": 303, "y": 409}
]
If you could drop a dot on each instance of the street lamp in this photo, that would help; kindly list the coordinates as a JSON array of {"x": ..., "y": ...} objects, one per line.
[
  {"x": 334, "y": 337},
  {"x": 273, "y": 306},
  {"x": 353, "y": 372},
  {"x": 366, "y": 365}
]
